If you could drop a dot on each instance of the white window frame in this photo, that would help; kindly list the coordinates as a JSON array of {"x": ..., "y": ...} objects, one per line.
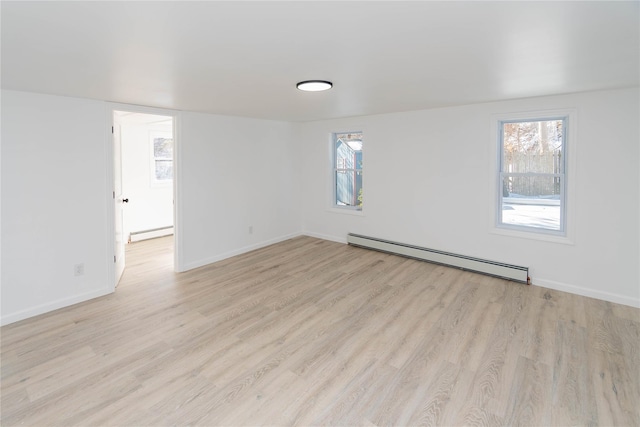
[
  {"x": 566, "y": 233},
  {"x": 356, "y": 210},
  {"x": 153, "y": 180}
]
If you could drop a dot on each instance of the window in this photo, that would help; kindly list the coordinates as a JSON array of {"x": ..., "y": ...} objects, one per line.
[
  {"x": 347, "y": 170},
  {"x": 531, "y": 178},
  {"x": 161, "y": 157}
]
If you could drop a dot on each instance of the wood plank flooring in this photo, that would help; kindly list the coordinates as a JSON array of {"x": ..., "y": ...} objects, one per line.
[{"x": 310, "y": 332}]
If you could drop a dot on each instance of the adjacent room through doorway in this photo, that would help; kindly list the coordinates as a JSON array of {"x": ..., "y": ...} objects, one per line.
[{"x": 143, "y": 163}]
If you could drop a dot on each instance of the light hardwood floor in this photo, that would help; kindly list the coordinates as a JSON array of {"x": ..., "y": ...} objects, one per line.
[{"x": 309, "y": 332}]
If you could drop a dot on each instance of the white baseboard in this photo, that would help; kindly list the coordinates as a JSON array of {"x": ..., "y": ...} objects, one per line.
[
  {"x": 544, "y": 283},
  {"x": 240, "y": 251},
  {"x": 578, "y": 290},
  {"x": 50, "y": 306},
  {"x": 325, "y": 237},
  {"x": 151, "y": 234},
  {"x": 6, "y": 319}
]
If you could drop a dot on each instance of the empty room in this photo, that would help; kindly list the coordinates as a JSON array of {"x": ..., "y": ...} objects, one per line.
[{"x": 306, "y": 213}]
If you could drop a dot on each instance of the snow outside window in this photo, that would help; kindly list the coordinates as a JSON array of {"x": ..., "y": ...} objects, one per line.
[{"x": 531, "y": 177}]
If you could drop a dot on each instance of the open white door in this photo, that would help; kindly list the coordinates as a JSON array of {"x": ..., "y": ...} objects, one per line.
[{"x": 118, "y": 199}]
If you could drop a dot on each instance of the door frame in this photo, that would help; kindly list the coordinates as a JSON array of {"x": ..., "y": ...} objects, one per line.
[{"x": 109, "y": 185}]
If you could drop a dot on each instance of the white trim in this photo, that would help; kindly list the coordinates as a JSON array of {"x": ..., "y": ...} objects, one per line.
[
  {"x": 139, "y": 236},
  {"x": 561, "y": 174},
  {"x": 325, "y": 237},
  {"x": 586, "y": 292},
  {"x": 132, "y": 108},
  {"x": 346, "y": 211},
  {"x": 334, "y": 167},
  {"x": 177, "y": 247},
  {"x": 543, "y": 283},
  {"x": 239, "y": 251},
  {"x": 568, "y": 237},
  {"x": 504, "y": 231},
  {"x": 177, "y": 194},
  {"x": 50, "y": 306},
  {"x": 110, "y": 201}
]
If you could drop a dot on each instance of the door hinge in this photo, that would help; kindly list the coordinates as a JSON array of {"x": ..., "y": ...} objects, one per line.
[
  {"x": 111, "y": 129},
  {"x": 114, "y": 258},
  {"x": 114, "y": 194}
]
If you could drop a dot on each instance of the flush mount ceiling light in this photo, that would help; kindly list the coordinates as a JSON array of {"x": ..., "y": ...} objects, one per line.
[{"x": 314, "y": 85}]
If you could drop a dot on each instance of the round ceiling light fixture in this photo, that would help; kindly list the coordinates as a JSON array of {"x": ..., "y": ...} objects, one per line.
[{"x": 314, "y": 85}]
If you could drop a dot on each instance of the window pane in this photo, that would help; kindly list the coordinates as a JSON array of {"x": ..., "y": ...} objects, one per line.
[
  {"x": 531, "y": 201},
  {"x": 163, "y": 148},
  {"x": 347, "y": 161},
  {"x": 164, "y": 170},
  {"x": 353, "y": 140},
  {"x": 348, "y": 153},
  {"x": 349, "y": 188},
  {"x": 534, "y": 146}
]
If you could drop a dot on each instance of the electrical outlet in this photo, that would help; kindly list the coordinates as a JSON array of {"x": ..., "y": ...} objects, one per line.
[
  {"x": 251, "y": 229},
  {"x": 78, "y": 269}
]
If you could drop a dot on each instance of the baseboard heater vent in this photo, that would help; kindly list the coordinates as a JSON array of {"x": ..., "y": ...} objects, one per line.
[
  {"x": 136, "y": 236},
  {"x": 492, "y": 268}
]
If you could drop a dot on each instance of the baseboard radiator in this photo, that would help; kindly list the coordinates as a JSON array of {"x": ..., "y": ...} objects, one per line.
[
  {"x": 136, "y": 236},
  {"x": 492, "y": 268}
]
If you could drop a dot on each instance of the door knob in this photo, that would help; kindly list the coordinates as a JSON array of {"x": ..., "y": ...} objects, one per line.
[{"x": 125, "y": 200}]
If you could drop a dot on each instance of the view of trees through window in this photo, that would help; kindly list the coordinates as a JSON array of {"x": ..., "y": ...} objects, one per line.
[
  {"x": 532, "y": 173},
  {"x": 347, "y": 153},
  {"x": 163, "y": 158}
]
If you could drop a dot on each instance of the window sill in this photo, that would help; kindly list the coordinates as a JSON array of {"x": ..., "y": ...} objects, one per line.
[
  {"x": 345, "y": 211},
  {"x": 532, "y": 235}
]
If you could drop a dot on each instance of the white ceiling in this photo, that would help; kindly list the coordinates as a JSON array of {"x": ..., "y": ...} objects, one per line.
[{"x": 244, "y": 58}]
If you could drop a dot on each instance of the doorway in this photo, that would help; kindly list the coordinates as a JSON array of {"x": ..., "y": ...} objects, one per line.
[{"x": 143, "y": 149}]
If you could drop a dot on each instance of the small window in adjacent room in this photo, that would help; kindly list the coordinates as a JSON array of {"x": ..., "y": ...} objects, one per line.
[
  {"x": 531, "y": 178},
  {"x": 161, "y": 158},
  {"x": 347, "y": 170}
]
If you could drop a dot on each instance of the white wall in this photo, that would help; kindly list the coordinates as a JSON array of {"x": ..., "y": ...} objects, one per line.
[
  {"x": 150, "y": 206},
  {"x": 428, "y": 181},
  {"x": 275, "y": 176},
  {"x": 56, "y": 201},
  {"x": 53, "y": 202},
  {"x": 234, "y": 173}
]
